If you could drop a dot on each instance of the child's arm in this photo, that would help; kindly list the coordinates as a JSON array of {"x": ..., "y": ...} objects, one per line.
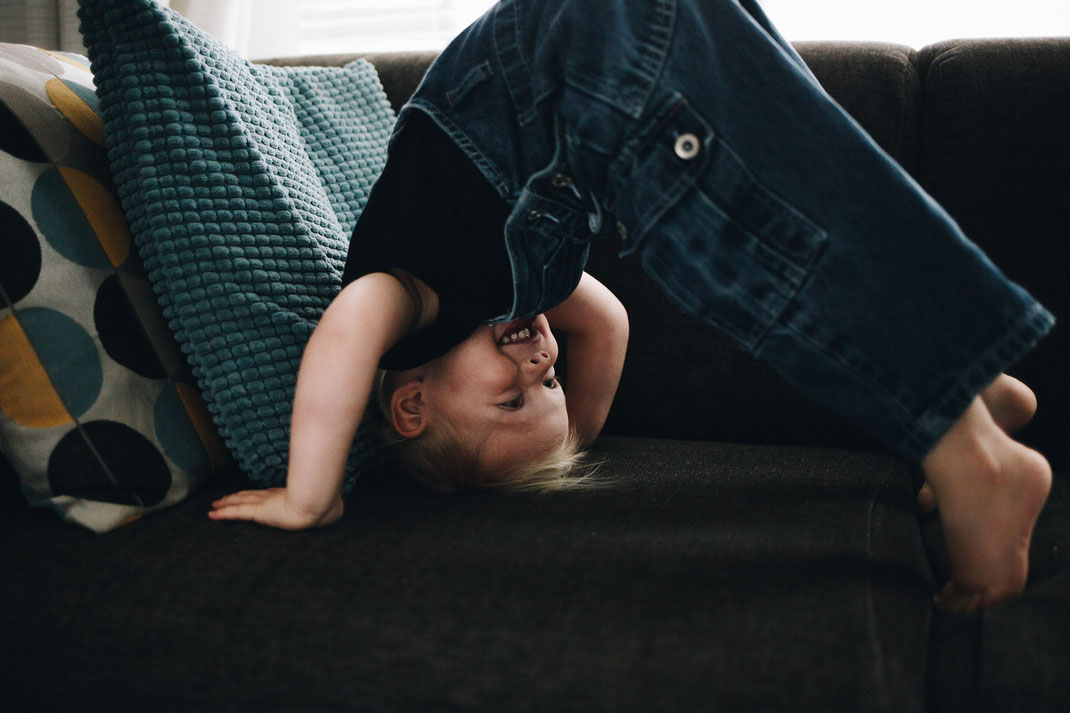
[
  {"x": 597, "y": 327},
  {"x": 333, "y": 385}
]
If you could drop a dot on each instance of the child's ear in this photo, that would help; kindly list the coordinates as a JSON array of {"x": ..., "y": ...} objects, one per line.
[{"x": 408, "y": 410}]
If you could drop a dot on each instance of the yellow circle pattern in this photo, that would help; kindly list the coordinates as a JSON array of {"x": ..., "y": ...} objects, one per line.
[
  {"x": 102, "y": 211},
  {"x": 202, "y": 424},
  {"x": 75, "y": 109},
  {"x": 27, "y": 396}
]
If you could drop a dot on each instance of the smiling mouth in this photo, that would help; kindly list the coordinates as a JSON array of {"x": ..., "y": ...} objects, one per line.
[{"x": 521, "y": 331}]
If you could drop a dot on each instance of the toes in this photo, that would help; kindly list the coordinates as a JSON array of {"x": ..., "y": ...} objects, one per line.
[
  {"x": 1011, "y": 403},
  {"x": 954, "y": 600},
  {"x": 951, "y": 598},
  {"x": 926, "y": 499}
]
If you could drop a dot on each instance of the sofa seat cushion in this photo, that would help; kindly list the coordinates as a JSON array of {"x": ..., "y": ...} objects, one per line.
[
  {"x": 1013, "y": 657},
  {"x": 701, "y": 576}
]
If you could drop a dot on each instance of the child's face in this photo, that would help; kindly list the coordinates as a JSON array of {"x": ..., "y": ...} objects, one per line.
[{"x": 502, "y": 392}]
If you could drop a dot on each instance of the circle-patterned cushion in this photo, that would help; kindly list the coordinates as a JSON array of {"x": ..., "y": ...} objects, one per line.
[
  {"x": 242, "y": 184},
  {"x": 98, "y": 413}
]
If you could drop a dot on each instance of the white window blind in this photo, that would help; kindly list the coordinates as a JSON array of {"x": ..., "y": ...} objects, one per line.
[
  {"x": 327, "y": 26},
  {"x": 273, "y": 28},
  {"x": 307, "y": 27}
]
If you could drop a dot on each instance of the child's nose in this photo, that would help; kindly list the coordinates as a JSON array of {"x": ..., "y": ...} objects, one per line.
[
  {"x": 537, "y": 365},
  {"x": 539, "y": 358}
]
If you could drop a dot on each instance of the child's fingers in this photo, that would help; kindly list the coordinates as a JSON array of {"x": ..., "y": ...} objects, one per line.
[
  {"x": 242, "y": 505},
  {"x": 243, "y": 496},
  {"x": 243, "y": 511}
]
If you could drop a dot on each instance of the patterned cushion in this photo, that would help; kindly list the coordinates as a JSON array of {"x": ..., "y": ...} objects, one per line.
[
  {"x": 98, "y": 414},
  {"x": 242, "y": 184}
]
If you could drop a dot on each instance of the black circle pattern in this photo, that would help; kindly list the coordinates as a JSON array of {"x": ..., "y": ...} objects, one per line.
[
  {"x": 21, "y": 251},
  {"x": 16, "y": 140},
  {"x": 141, "y": 475},
  {"x": 121, "y": 333}
]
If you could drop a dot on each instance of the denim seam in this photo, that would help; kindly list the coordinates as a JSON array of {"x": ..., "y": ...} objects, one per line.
[
  {"x": 508, "y": 49},
  {"x": 656, "y": 54},
  {"x": 775, "y": 204},
  {"x": 901, "y": 413},
  {"x": 797, "y": 281},
  {"x": 919, "y": 439},
  {"x": 653, "y": 259},
  {"x": 486, "y": 166},
  {"x": 1033, "y": 324},
  {"x": 652, "y": 57},
  {"x": 600, "y": 91},
  {"x": 796, "y": 274},
  {"x": 798, "y": 287},
  {"x": 649, "y": 136},
  {"x": 475, "y": 76}
]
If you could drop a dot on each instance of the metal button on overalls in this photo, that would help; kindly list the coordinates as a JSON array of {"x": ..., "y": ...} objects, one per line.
[{"x": 687, "y": 146}]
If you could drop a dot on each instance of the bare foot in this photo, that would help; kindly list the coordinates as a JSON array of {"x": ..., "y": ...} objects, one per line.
[
  {"x": 990, "y": 489},
  {"x": 1012, "y": 405}
]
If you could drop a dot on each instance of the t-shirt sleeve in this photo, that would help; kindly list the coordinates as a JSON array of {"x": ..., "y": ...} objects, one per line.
[{"x": 434, "y": 215}]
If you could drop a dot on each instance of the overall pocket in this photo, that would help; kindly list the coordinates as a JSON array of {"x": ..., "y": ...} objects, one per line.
[{"x": 678, "y": 150}]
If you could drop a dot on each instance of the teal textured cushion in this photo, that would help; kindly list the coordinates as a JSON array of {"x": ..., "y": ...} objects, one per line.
[{"x": 242, "y": 184}]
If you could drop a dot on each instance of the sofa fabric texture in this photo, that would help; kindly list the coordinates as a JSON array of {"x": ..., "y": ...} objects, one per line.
[{"x": 748, "y": 551}]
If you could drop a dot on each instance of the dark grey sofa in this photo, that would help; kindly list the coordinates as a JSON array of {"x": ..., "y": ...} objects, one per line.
[{"x": 750, "y": 552}]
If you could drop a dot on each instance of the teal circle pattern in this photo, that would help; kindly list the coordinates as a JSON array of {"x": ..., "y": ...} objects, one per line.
[
  {"x": 176, "y": 434},
  {"x": 67, "y": 353},
  {"x": 84, "y": 93},
  {"x": 61, "y": 220}
]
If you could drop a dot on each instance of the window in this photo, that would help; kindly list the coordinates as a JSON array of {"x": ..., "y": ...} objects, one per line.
[
  {"x": 304, "y": 27},
  {"x": 328, "y": 26},
  {"x": 917, "y": 22}
]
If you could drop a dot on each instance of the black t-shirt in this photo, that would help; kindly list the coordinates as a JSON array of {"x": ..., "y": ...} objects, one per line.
[{"x": 433, "y": 214}]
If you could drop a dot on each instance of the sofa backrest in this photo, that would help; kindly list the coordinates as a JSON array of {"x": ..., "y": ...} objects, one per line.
[
  {"x": 995, "y": 153},
  {"x": 980, "y": 124}
]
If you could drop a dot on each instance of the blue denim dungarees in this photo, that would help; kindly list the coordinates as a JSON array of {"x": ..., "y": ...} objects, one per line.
[{"x": 695, "y": 133}]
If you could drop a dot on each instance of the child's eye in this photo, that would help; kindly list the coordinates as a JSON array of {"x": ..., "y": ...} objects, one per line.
[
  {"x": 552, "y": 383},
  {"x": 513, "y": 404}
]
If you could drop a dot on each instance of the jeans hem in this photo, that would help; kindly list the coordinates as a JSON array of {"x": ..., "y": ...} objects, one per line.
[{"x": 1034, "y": 324}]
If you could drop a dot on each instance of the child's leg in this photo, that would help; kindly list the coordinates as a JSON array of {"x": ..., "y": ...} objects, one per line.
[
  {"x": 802, "y": 240},
  {"x": 806, "y": 243}
]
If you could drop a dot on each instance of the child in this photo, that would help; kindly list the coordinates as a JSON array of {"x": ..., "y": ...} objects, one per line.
[{"x": 694, "y": 134}]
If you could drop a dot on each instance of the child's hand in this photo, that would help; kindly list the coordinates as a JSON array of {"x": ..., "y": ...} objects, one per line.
[
  {"x": 274, "y": 508},
  {"x": 597, "y": 326}
]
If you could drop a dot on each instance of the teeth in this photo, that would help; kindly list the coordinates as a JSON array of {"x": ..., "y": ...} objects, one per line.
[{"x": 516, "y": 336}]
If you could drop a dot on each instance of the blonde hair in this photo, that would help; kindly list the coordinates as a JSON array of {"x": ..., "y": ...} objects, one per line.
[{"x": 442, "y": 459}]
